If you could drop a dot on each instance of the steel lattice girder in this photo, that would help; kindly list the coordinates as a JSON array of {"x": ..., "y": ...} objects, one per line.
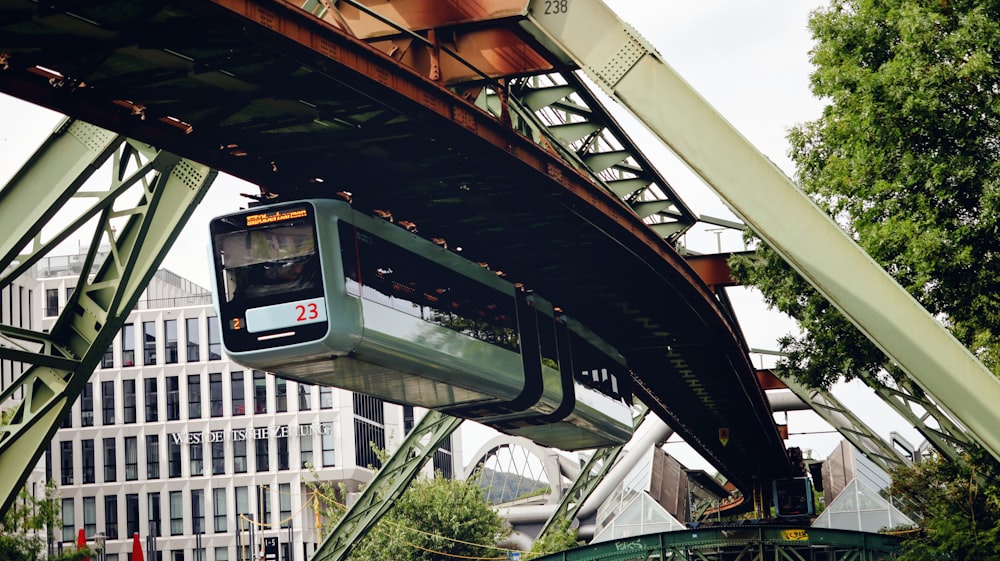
[
  {"x": 745, "y": 543},
  {"x": 388, "y": 485},
  {"x": 59, "y": 363}
]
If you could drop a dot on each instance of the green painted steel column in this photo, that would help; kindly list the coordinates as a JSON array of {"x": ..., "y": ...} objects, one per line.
[
  {"x": 138, "y": 236},
  {"x": 589, "y": 34},
  {"x": 388, "y": 485}
]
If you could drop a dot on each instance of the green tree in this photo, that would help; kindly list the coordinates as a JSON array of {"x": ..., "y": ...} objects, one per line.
[
  {"x": 435, "y": 518},
  {"x": 959, "y": 509},
  {"x": 559, "y": 538},
  {"x": 905, "y": 158},
  {"x": 24, "y": 525}
]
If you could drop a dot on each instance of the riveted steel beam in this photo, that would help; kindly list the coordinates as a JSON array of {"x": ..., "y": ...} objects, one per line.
[
  {"x": 388, "y": 485},
  {"x": 622, "y": 63},
  {"x": 134, "y": 226},
  {"x": 591, "y": 475}
]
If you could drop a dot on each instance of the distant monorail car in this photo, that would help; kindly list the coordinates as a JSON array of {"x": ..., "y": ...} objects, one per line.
[{"x": 317, "y": 292}]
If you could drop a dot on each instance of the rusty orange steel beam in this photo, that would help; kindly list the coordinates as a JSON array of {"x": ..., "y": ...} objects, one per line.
[{"x": 484, "y": 33}]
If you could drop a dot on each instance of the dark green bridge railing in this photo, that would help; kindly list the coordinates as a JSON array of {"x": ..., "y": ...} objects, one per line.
[{"x": 744, "y": 543}]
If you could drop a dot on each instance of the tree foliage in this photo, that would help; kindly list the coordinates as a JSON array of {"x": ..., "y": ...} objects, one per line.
[
  {"x": 559, "y": 538},
  {"x": 24, "y": 526},
  {"x": 959, "y": 509},
  {"x": 905, "y": 158},
  {"x": 433, "y": 519}
]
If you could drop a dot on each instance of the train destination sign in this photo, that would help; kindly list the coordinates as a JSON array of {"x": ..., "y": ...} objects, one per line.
[{"x": 277, "y": 216}]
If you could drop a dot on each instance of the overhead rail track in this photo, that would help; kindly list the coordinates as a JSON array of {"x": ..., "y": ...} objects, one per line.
[{"x": 266, "y": 91}]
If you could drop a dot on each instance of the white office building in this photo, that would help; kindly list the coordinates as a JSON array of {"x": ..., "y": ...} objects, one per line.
[{"x": 173, "y": 441}]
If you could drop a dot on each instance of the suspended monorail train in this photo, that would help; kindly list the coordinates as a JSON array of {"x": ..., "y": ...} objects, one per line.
[{"x": 318, "y": 292}]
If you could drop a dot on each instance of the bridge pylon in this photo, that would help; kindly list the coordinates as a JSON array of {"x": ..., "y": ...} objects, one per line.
[{"x": 135, "y": 216}]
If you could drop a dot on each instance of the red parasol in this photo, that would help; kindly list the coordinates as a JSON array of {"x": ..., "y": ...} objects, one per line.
[
  {"x": 81, "y": 541},
  {"x": 136, "y": 548}
]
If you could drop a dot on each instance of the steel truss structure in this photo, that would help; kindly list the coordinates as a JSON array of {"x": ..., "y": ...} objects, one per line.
[
  {"x": 740, "y": 543},
  {"x": 135, "y": 216}
]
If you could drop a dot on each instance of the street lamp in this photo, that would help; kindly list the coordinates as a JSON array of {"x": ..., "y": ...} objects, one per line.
[{"x": 99, "y": 540}]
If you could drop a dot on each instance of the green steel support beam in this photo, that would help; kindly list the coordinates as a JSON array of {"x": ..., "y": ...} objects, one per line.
[
  {"x": 588, "y": 34},
  {"x": 136, "y": 225},
  {"x": 388, "y": 485},
  {"x": 591, "y": 475}
]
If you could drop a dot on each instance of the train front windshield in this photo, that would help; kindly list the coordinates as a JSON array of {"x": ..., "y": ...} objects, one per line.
[
  {"x": 268, "y": 277},
  {"x": 258, "y": 265}
]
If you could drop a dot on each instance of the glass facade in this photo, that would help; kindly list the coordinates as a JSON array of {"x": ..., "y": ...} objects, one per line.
[{"x": 108, "y": 461}]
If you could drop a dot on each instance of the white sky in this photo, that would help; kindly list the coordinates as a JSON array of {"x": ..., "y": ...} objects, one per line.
[{"x": 748, "y": 59}]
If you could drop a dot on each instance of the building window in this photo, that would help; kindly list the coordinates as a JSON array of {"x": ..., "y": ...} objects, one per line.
[
  {"x": 197, "y": 511},
  {"x": 67, "y": 420},
  {"x": 327, "y": 440},
  {"x": 131, "y": 458},
  {"x": 152, "y": 405},
  {"x": 149, "y": 343},
  {"x": 280, "y": 394},
  {"x": 154, "y": 514},
  {"x": 218, "y": 457},
  {"x": 259, "y": 392},
  {"x": 108, "y": 403},
  {"x": 263, "y": 459},
  {"x": 173, "y": 398},
  {"x": 110, "y": 461},
  {"x": 173, "y": 458},
  {"x": 128, "y": 345},
  {"x": 219, "y": 508},
  {"x": 51, "y": 302},
  {"x": 196, "y": 451},
  {"x": 68, "y": 521},
  {"x": 89, "y": 463},
  {"x": 221, "y": 554},
  {"x": 176, "y": 555},
  {"x": 111, "y": 517},
  {"x": 128, "y": 400},
  {"x": 242, "y": 502},
  {"x": 325, "y": 397},
  {"x": 264, "y": 505},
  {"x": 152, "y": 456},
  {"x": 443, "y": 459},
  {"x": 90, "y": 516},
  {"x": 193, "y": 340},
  {"x": 306, "y": 449},
  {"x": 239, "y": 400},
  {"x": 87, "y": 405},
  {"x": 282, "y": 440},
  {"x": 170, "y": 341},
  {"x": 214, "y": 339},
  {"x": 108, "y": 360},
  {"x": 194, "y": 396},
  {"x": 369, "y": 430},
  {"x": 215, "y": 393},
  {"x": 305, "y": 395},
  {"x": 239, "y": 456},
  {"x": 176, "y": 513},
  {"x": 132, "y": 514},
  {"x": 66, "y": 462},
  {"x": 285, "y": 504}
]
